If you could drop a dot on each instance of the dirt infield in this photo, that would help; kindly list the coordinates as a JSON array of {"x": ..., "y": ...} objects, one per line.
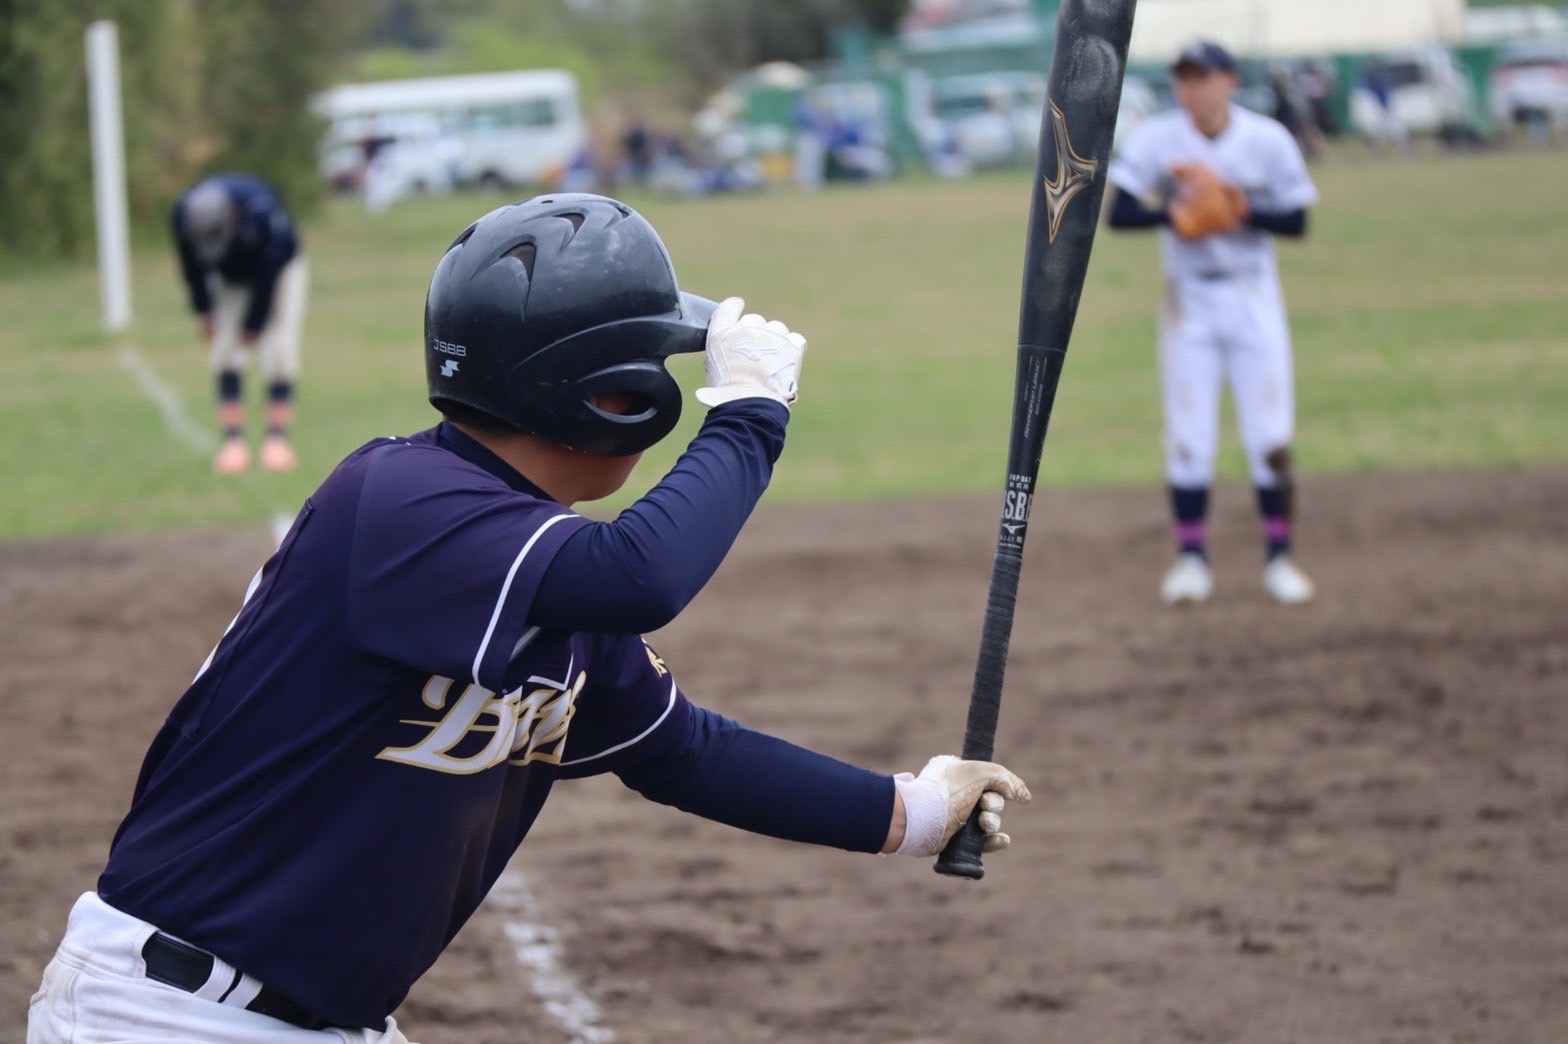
[{"x": 1343, "y": 822}]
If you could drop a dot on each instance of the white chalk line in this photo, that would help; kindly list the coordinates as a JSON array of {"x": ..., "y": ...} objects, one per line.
[
  {"x": 538, "y": 949},
  {"x": 198, "y": 438},
  {"x": 163, "y": 396}
]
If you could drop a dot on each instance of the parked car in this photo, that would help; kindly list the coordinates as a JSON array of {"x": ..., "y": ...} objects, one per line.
[
  {"x": 993, "y": 118},
  {"x": 1429, "y": 93},
  {"x": 1530, "y": 84}
]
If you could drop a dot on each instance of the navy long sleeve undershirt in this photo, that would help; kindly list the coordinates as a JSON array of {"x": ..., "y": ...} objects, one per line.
[
  {"x": 1280, "y": 222},
  {"x": 635, "y": 574},
  {"x": 1127, "y": 212},
  {"x": 734, "y": 775}
]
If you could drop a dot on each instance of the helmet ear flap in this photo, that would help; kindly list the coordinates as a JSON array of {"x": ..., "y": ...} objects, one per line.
[{"x": 571, "y": 418}]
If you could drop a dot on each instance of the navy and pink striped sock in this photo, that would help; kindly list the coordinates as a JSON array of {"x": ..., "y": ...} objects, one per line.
[
  {"x": 1274, "y": 508},
  {"x": 1190, "y": 509}
]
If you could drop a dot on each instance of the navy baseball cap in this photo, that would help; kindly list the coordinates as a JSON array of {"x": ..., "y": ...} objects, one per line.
[{"x": 1206, "y": 55}]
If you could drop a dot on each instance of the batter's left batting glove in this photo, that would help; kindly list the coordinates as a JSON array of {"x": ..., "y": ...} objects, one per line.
[
  {"x": 749, "y": 357},
  {"x": 941, "y": 798}
]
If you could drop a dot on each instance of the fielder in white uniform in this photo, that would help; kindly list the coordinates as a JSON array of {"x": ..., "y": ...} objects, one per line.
[{"x": 1224, "y": 315}]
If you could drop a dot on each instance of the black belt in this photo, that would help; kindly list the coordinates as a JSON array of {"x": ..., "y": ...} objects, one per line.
[
  {"x": 185, "y": 967},
  {"x": 1215, "y": 276}
]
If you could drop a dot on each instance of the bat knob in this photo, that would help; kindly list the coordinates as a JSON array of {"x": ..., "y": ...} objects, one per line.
[{"x": 961, "y": 857}]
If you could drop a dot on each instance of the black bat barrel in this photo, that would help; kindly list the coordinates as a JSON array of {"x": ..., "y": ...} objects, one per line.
[{"x": 1088, "y": 63}]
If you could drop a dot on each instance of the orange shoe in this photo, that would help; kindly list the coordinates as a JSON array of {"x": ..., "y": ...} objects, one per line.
[
  {"x": 233, "y": 458},
  {"x": 277, "y": 454}
]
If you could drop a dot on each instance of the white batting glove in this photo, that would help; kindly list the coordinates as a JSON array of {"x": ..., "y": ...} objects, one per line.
[
  {"x": 749, "y": 357},
  {"x": 941, "y": 798}
]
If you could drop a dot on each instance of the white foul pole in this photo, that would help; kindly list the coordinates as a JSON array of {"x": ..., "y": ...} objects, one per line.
[{"x": 114, "y": 249}]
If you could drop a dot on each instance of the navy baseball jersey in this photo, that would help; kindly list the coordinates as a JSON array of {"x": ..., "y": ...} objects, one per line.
[
  {"x": 264, "y": 240},
  {"x": 358, "y": 758}
]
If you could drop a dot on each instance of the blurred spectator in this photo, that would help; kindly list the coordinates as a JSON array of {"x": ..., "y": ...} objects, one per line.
[
  {"x": 1318, "y": 88},
  {"x": 580, "y": 173},
  {"x": 1290, "y": 109},
  {"x": 811, "y": 130},
  {"x": 1389, "y": 129},
  {"x": 375, "y": 184},
  {"x": 637, "y": 149},
  {"x": 852, "y": 155}
]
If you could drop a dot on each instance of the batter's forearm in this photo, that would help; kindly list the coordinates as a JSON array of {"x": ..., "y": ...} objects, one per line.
[{"x": 747, "y": 779}]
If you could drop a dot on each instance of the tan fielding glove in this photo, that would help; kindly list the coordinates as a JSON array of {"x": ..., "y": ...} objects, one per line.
[{"x": 1205, "y": 204}]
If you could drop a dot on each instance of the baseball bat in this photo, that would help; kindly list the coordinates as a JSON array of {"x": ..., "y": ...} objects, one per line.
[{"x": 1084, "y": 88}]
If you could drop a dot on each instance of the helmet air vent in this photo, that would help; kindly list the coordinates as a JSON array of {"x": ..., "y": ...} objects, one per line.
[{"x": 525, "y": 252}]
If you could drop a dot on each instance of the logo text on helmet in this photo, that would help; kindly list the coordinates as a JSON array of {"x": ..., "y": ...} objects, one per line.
[{"x": 448, "y": 348}]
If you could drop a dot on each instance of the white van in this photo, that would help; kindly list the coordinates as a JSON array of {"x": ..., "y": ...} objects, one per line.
[
  {"x": 1429, "y": 93},
  {"x": 1530, "y": 84},
  {"x": 491, "y": 129}
]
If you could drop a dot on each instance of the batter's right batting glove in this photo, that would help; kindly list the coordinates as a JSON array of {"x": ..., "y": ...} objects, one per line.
[
  {"x": 941, "y": 798},
  {"x": 749, "y": 357}
]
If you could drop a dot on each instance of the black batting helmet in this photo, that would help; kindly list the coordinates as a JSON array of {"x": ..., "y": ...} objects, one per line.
[{"x": 541, "y": 305}]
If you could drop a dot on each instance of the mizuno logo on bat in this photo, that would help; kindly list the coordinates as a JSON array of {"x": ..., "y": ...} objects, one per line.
[
  {"x": 1012, "y": 527},
  {"x": 1073, "y": 173}
]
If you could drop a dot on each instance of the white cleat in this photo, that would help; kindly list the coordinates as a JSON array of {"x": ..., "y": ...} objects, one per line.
[
  {"x": 1285, "y": 583},
  {"x": 1189, "y": 580}
]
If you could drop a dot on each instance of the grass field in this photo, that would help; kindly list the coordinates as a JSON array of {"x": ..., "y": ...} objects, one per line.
[{"x": 1430, "y": 321}]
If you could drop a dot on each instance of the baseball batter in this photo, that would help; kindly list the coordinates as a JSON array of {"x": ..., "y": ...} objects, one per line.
[
  {"x": 1221, "y": 181},
  {"x": 441, "y": 638},
  {"x": 246, "y": 276}
]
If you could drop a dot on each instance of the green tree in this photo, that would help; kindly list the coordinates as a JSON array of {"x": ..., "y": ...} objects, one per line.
[
  {"x": 45, "y": 155},
  {"x": 262, "y": 60},
  {"x": 205, "y": 86}
]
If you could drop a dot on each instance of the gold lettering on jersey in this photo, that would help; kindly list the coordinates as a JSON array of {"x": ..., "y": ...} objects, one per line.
[
  {"x": 657, "y": 660},
  {"x": 534, "y": 723}
]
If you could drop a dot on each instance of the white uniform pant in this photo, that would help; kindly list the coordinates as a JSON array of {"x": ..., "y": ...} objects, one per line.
[
  {"x": 1213, "y": 331},
  {"x": 278, "y": 344},
  {"x": 96, "y": 991}
]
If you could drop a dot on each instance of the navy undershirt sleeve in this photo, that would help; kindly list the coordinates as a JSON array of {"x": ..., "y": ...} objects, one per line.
[
  {"x": 734, "y": 775},
  {"x": 1280, "y": 222},
  {"x": 1127, "y": 212},
  {"x": 637, "y": 573},
  {"x": 277, "y": 251}
]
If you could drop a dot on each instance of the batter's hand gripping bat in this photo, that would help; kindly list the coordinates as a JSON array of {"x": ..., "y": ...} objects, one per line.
[{"x": 1083, "y": 93}]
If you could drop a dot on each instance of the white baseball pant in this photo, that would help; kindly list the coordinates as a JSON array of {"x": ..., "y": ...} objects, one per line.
[
  {"x": 278, "y": 344},
  {"x": 96, "y": 991},
  {"x": 1212, "y": 330}
]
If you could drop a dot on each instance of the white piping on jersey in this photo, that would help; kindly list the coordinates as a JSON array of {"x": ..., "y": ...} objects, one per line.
[
  {"x": 506, "y": 587},
  {"x": 634, "y": 740},
  {"x": 564, "y": 684},
  {"x": 255, "y": 582}
]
